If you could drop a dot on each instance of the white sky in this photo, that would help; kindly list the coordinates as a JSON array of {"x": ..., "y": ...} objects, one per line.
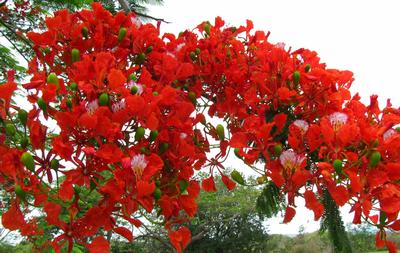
[{"x": 358, "y": 35}]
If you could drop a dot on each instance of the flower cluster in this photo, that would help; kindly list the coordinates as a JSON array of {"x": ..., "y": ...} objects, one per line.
[{"x": 128, "y": 104}]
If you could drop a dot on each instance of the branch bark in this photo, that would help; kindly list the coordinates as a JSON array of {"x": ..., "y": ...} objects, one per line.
[{"x": 124, "y": 5}]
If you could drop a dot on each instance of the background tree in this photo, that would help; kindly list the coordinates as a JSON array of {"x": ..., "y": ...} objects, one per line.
[{"x": 227, "y": 221}]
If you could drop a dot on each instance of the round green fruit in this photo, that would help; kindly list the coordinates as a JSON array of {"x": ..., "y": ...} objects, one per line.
[
  {"x": 28, "y": 161},
  {"x": 139, "y": 133},
  {"x": 75, "y": 55},
  {"x": 163, "y": 147},
  {"x": 19, "y": 191},
  {"x": 121, "y": 34},
  {"x": 104, "y": 99},
  {"x": 52, "y": 78},
  {"x": 134, "y": 89},
  {"x": 10, "y": 129},
  {"x": 132, "y": 77},
  {"x": 153, "y": 135},
  {"x": 296, "y": 77},
  {"x": 278, "y": 149},
  {"x": 68, "y": 102},
  {"x": 85, "y": 32},
  {"x": 236, "y": 151},
  {"x": 220, "y": 132},
  {"x": 207, "y": 28},
  {"x": 307, "y": 68},
  {"x": 193, "y": 56},
  {"x": 23, "y": 116},
  {"x": 54, "y": 164},
  {"x": 374, "y": 159},
  {"x": 149, "y": 49},
  {"x": 338, "y": 165},
  {"x": 42, "y": 105},
  {"x": 157, "y": 193},
  {"x": 192, "y": 97},
  {"x": 140, "y": 58}
]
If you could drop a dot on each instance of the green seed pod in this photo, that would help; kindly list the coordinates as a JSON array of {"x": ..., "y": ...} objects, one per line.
[
  {"x": 155, "y": 93},
  {"x": 28, "y": 161},
  {"x": 192, "y": 97},
  {"x": 68, "y": 102},
  {"x": 53, "y": 79},
  {"x": 163, "y": 147},
  {"x": 143, "y": 150},
  {"x": 197, "y": 51},
  {"x": 153, "y": 135},
  {"x": 140, "y": 59},
  {"x": 296, "y": 77},
  {"x": 23, "y": 116},
  {"x": 149, "y": 49},
  {"x": 85, "y": 32},
  {"x": 73, "y": 86},
  {"x": 19, "y": 192},
  {"x": 121, "y": 34},
  {"x": 207, "y": 28},
  {"x": 158, "y": 183},
  {"x": 193, "y": 56},
  {"x": 375, "y": 143},
  {"x": 183, "y": 185},
  {"x": 157, "y": 193},
  {"x": 104, "y": 99},
  {"x": 75, "y": 55},
  {"x": 220, "y": 132},
  {"x": 54, "y": 164},
  {"x": 374, "y": 159},
  {"x": 236, "y": 151},
  {"x": 139, "y": 133},
  {"x": 338, "y": 165},
  {"x": 237, "y": 177},
  {"x": 42, "y": 105},
  {"x": 278, "y": 149},
  {"x": 132, "y": 77},
  {"x": 134, "y": 89},
  {"x": 307, "y": 68},
  {"x": 10, "y": 129}
]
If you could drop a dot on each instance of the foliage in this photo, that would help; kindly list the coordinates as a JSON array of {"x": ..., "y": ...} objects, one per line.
[
  {"x": 332, "y": 221},
  {"x": 116, "y": 130},
  {"x": 227, "y": 221}
]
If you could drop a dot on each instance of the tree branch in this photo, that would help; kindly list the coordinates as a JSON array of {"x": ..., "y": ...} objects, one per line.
[
  {"x": 151, "y": 17},
  {"x": 15, "y": 46},
  {"x": 124, "y": 6}
]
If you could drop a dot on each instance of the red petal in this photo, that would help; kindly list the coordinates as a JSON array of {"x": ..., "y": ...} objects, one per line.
[
  {"x": 228, "y": 182},
  {"x": 238, "y": 140},
  {"x": 180, "y": 238},
  {"x": 13, "y": 219},
  {"x": 289, "y": 214},
  {"x": 116, "y": 79},
  {"x": 208, "y": 185},
  {"x": 99, "y": 245},
  {"x": 124, "y": 232}
]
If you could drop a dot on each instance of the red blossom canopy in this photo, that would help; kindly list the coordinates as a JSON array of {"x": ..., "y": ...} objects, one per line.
[{"x": 128, "y": 104}]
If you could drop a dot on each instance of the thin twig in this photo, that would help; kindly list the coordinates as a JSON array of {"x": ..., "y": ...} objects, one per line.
[{"x": 15, "y": 46}]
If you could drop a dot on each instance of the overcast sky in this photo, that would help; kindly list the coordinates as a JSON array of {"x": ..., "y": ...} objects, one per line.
[{"x": 358, "y": 35}]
